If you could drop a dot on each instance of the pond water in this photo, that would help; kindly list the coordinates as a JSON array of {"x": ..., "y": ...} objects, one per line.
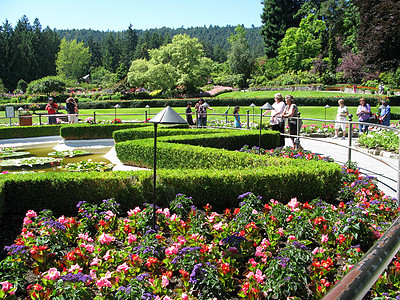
[{"x": 96, "y": 155}]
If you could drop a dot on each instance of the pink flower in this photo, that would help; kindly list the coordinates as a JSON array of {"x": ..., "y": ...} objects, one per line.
[
  {"x": 164, "y": 281},
  {"x": 103, "y": 282},
  {"x": 107, "y": 256},
  {"x": 324, "y": 238},
  {"x": 184, "y": 296},
  {"x": 259, "y": 276},
  {"x": 31, "y": 214},
  {"x": 27, "y": 221},
  {"x": 131, "y": 238},
  {"x": 106, "y": 238},
  {"x": 52, "y": 274},
  {"x": 6, "y": 286},
  {"x": 92, "y": 273},
  {"x": 252, "y": 262},
  {"x": 291, "y": 237},
  {"x": 134, "y": 211},
  {"x": 95, "y": 262},
  {"x": 123, "y": 268},
  {"x": 85, "y": 237},
  {"x": 293, "y": 204},
  {"x": 75, "y": 267},
  {"x": 109, "y": 215},
  {"x": 218, "y": 226},
  {"x": 280, "y": 231},
  {"x": 89, "y": 248}
]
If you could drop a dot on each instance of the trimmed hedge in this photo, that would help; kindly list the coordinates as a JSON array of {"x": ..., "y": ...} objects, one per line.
[
  {"x": 29, "y": 131},
  {"x": 88, "y": 131},
  {"x": 190, "y": 152},
  {"x": 222, "y": 174},
  {"x": 148, "y": 132},
  {"x": 61, "y": 191}
]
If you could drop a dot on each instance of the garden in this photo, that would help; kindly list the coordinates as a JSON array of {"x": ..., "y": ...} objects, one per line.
[{"x": 261, "y": 249}]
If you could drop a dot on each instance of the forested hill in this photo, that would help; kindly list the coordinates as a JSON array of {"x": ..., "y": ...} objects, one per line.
[{"x": 210, "y": 36}]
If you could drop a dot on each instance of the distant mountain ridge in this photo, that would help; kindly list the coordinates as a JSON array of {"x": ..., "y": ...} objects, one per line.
[{"x": 212, "y": 35}]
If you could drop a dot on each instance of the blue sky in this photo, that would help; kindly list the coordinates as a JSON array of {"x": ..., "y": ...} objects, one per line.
[{"x": 116, "y": 15}]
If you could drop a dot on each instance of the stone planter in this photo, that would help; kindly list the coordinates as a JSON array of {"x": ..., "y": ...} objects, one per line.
[{"x": 25, "y": 120}]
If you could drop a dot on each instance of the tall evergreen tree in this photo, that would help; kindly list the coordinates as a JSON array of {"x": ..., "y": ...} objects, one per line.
[
  {"x": 7, "y": 56},
  {"x": 277, "y": 17}
]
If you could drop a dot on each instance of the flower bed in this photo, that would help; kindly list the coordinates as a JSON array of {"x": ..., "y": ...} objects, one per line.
[
  {"x": 262, "y": 249},
  {"x": 381, "y": 139}
]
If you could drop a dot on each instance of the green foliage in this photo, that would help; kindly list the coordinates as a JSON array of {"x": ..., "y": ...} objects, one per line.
[
  {"x": 47, "y": 85},
  {"x": 72, "y": 59},
  {"x": 239, "y": 57},
  {"x": 300, "y": 45},
  {"x": 180, "y": 62},
  {"x": 387, "y": 140},
  {"x": 29, "y": 131},
  {"x": 22, "y": 85}
]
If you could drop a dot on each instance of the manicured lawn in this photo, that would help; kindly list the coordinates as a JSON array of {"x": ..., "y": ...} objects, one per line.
[{"x": 270, "y": 94}]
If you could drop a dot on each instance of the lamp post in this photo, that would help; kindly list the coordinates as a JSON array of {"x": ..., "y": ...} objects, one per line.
[
  {"x": 148, "y": 107},
  {"x": 326, "y": 106},
  {"x": 20, "y": 110},
  {"x": 166, "y": 116},
  {"x": 266, "y": 106},
  {"x": 115, "y": 108},
  {"x": 253, "y": 105}
]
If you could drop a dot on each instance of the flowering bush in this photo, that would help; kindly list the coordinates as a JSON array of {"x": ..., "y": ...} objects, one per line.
[
  {"x": 286, "y": 152},
  {"x": 261, "y": 249},
  {"x": 34, "y": 107},
  {"x": 116, "y": 121},
  {"x": 90, "y": 120}
]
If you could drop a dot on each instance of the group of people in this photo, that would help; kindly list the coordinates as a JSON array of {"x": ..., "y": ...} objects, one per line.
[
  {"x": 282, "y": 111},
  {"x": 287, "y": 109},
  {"x": 71, "y": 107},
  {"x": 201, "y": 110}
]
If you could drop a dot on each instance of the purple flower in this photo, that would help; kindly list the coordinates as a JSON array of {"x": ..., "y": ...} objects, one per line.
[
  {"x": 79, "y": 277},
  {"x": 15, "y": 249}
]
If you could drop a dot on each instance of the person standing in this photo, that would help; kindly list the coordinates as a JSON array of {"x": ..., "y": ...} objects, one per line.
[
  {"x": 385, "y": 113},
  {"x": 202, "y": 112},
  {"x": 276, "y": 121},
  {"x": 342, "y": 113},
  {"x": 363, "y": 113},
  {"x": 291, "y": 111},
  {"x": 189, "y": 113},
  {"x": 237, "y": 117},
  {"x": 51, "y": 108},
  {"x": 71, "y": 108}
]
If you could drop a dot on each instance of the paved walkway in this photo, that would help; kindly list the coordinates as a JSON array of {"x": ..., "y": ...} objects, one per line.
[
  {"x": 380, "y": 167},
  {"x": 377, "y": 166}
]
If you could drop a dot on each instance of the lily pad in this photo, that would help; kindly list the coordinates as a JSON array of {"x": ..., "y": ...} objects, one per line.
[
  {"x": 69, "y": 153},
  {"x": 5, "y": 155},
  {"x": 29, "y": 162}
]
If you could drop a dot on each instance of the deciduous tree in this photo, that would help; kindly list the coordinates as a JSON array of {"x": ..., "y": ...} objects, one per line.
[{"x": 72, "y": 59}]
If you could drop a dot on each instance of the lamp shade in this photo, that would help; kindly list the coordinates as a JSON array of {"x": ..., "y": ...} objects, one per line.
[
  {"x": 327, "y": 106},
  {"x": 117, "y": 106},
  {"x": 267, "y": 106},
  {"x": 167, "y": 116},
  {"x": 252, "y": 105}
]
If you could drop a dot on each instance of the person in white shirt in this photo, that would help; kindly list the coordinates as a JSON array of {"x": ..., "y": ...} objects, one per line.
[
  {"x": 276, "y": 121},
  {"x": 342, "y": 113}
]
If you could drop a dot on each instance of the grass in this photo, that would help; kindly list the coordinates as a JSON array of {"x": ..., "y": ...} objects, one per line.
[
  {"x": 314, "y": 112},
  {"x": 270, "y": 94}
]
